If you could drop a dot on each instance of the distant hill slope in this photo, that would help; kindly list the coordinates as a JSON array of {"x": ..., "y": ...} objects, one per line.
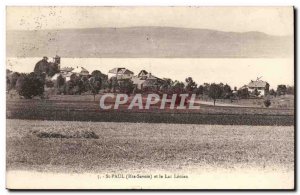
[{"x": 148, "y": 42}]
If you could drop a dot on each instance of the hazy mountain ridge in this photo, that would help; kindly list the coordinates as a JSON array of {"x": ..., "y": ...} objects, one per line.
[{"x": 147, "y": 42}]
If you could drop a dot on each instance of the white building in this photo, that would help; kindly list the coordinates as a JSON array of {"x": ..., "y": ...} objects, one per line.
[
  {"x": 261, "y": 86},
  {"x": 120, "y": 73},
  {"x": 66, "y": 72},
  {"x": 145, "y": 79}
]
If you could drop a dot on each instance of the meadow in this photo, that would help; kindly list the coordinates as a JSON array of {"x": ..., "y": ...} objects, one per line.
[
  {"x": 66, "y": 108},
  {"x": 60, "y": 146}
]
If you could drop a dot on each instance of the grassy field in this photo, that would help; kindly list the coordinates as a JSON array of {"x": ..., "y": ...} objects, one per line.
[
  {"x": 283, "y": 101},
  {"x": 102, "y": 146},
  {"x": 69, "y": 110}
]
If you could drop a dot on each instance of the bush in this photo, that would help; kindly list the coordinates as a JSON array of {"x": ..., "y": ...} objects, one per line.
[
  {"x": 49, "y": 84},
  {"x": 30, "y": 85},
  {"x": 215, "y": 92},
  {"x": 126, "y": 86},
  {"x": 66, "y": 135},
  {"x": 243, "y": 93},
  {"x": 267, "y": 103},
  {"x": 12, "y": 80}
]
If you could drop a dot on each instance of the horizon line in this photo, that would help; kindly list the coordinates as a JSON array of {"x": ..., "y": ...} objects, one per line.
[{"x": 149, "y": 26}]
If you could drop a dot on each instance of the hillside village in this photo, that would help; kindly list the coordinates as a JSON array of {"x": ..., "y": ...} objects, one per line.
[{"x": 64, "y": 80}]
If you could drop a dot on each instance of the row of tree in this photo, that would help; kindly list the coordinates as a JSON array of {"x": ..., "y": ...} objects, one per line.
[
  {"x": 30, "y": 85},
  {"x": 33, "y": 84},
  {"x": 283, "y": 90}
]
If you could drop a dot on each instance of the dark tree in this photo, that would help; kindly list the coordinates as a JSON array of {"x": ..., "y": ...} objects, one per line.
[
  {"x": 30, "y": 85},
  {"x": 20, "y": 81},
  {"x": 53, "y": 69},
  {"x": 60, "y": 81},
  {"x": 73, "y": 85},
  {"x": 215, "y": 92},
  {"x": 49, "y": 84},
  {"x": 49, "y": 68},
  {"x": 99, "y": 76},
  {"x": 190, "y": 84},
  {"x": 42, "y": 66},
  {"x": 200, "y": 90},
  {"x": 178, "y": 87},
  {"x": 281, "y": 90},
  {"x": 243, "y": 93},
  {"x": 8, "y": 71},
  {"x": 7, "y": 84},
  {"x": 60, "y": 84},
  {"x": 126, "y": 86},
  {"x": 13, "y": 80},
  {"x": 272, "y": 92},
  {"x": 227, "y": 92},
  {"x": 95, "y": 86},
  {"x": 166, "y": 85},
  {"x": 290, "y": 90},
  {"x": 71, "y": 88},
  {"x": 81, "y": 87},
  {"x": 113, "y": 84},
  {"x": 206, "y": 88},
  {"x": 85, "y": 84}
]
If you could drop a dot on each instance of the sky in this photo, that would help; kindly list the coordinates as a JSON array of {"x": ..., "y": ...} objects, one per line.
[
  {"x": 270, "y": 20},
  {"x": 236, "y": 72}
]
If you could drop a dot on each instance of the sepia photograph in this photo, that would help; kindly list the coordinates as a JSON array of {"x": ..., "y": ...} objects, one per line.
[{"x": 150, "y": 98}]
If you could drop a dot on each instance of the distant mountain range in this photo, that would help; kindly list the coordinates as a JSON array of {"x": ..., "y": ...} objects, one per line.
[{"x": 146, "y": 42}]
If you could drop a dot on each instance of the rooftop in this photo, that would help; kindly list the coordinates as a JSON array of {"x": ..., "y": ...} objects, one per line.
[
  {"x": 257, "y": 83},
  {"x": 120, "y": 71}
]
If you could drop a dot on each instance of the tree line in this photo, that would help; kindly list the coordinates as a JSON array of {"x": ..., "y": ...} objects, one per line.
[{"x": 33, "y": 84}]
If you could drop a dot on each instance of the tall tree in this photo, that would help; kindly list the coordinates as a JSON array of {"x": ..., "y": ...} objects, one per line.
[
  {"x": 290, "y": 90},
  {"x": 272, "y": 92},
  {"x": 42, "y": 66},
  {"x": 178, "y": 87},
  {"x": 53, "y": 69},
  {"x": 281, "y": 89},
  {"x": 60, "y": 84},
  {"x": 166, "y": 85},
  {"x": 126, "y": 86},
  {"x": 99, "y": 76},
  {"x": 190, "y": 84},
  {"x": 206, "y": 87},
  {"x": 95, "y": 86},
  {"x": 12, "y": 79},
  {"x": 227, "y": 92},
  {"x": 243, "y": 93},
  {"x": 113, "y": 84},
  {"x": 215, "y": 92},
  {"x": 200, "y": 90},
  {"x": 60, "y": 81}
]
